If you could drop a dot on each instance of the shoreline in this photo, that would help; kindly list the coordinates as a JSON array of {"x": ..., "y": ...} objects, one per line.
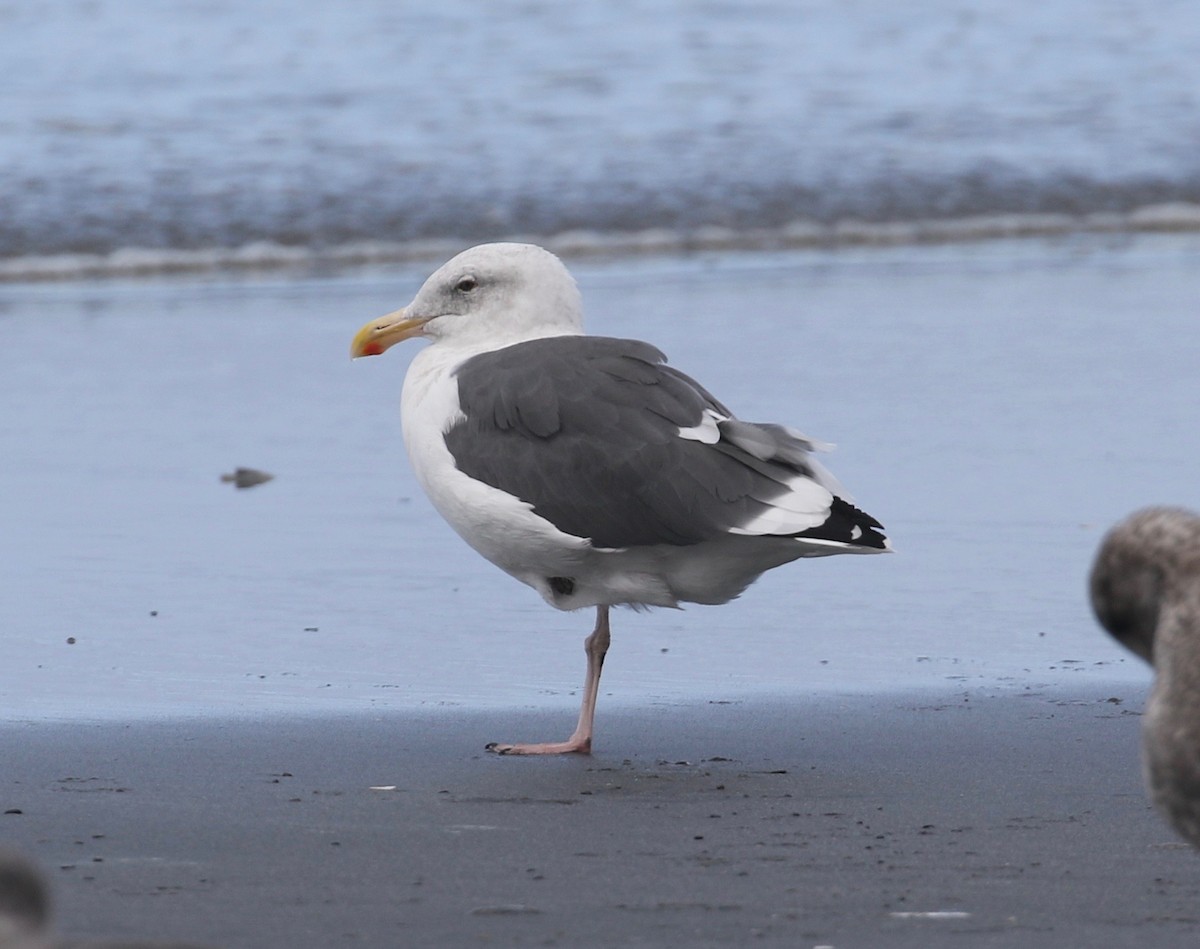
[{"x": 265, "y": 256}]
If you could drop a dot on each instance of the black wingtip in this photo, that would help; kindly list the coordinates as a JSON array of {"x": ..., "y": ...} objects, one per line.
[{"x": 849, "y": 525}]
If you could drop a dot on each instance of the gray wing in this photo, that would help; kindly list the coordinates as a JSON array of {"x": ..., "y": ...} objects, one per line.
[{"x": 607, "y": 442}]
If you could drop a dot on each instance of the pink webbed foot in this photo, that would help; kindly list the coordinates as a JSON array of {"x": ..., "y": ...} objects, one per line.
[
  {"x": 572, "y": 746},
  {"x": 580, "y": 743}
]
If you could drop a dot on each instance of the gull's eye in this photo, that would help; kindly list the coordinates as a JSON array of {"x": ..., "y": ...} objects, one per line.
[{"x": 466, "y": 285}]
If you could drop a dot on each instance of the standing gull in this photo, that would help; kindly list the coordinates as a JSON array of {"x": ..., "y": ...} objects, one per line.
[
  {"x": 1145, "y": 588},
  {"x": 588, "y": 468}
]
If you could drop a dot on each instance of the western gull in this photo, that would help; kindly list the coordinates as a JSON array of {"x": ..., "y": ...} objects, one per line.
[
  {"x": 1145, "y": 590},
  {"x": 585, "y": 466}
]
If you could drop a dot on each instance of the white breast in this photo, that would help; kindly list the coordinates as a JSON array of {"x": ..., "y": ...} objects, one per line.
[{"x": 500, "y": 527}]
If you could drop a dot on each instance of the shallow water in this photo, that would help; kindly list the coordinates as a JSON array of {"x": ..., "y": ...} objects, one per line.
[
  {"x": 183, "y": 125},
  {"x": 996, "y": 407}
]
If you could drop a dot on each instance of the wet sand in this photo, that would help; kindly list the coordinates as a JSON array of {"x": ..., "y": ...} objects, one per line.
[
  {"x": 1014, "y": 818},
  {"x": 996, "y": 406}
]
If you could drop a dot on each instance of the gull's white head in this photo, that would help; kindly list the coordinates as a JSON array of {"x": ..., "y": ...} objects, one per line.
[{"x": 491, "y": 295}]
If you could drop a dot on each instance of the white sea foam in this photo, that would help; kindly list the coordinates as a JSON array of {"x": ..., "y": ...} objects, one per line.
[{"x": 797, "y": 235}]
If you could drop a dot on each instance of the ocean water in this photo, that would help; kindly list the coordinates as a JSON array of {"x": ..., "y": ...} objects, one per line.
[
  {"x": 996, "y": 405},
  {"x": 193, "y": 133}
]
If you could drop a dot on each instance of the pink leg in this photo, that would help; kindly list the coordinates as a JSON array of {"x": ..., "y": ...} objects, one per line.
[{"x": 596, "y": 645}]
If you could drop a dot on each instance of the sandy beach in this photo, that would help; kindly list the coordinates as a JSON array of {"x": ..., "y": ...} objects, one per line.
[{"x": 1014, "y": 818}]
